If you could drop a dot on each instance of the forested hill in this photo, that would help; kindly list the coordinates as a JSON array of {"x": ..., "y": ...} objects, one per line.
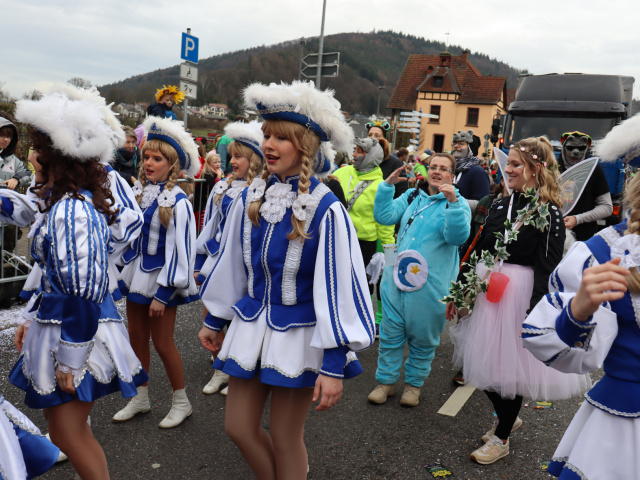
[{"x": 367, "y": 60}]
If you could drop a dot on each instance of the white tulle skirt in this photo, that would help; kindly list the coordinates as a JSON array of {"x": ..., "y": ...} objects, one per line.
[{"x": 488, "y": 346}]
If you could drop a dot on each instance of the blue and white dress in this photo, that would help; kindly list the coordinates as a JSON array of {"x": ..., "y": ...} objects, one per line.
[
  {"x": 76, "y": 325},
  {"x": 297, "y": 309},
  {"x": 24, "y": 451},
  {"x": 124, "y": 231},
  {"x": 159, "y": 264},
  {"x": 603, "y": 437},
  {"x": 215, "y": 217}
]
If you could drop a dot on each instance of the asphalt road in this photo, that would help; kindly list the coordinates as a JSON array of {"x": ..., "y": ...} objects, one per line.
[{"x": 353, "y": 440}]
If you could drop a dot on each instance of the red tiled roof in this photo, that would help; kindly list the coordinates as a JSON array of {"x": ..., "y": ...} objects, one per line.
[{"x": 460, "y": 76}]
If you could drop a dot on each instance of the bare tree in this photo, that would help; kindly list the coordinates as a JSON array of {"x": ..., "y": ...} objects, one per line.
[
  {"x": 80, "y": 82},
  {"x": 32, "y": 95},
  {"x": 5, "y": 97}
]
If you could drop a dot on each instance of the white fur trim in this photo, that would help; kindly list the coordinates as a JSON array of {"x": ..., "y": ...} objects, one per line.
[
  {"x": 251, "y": 131},
  {"x": 304, "y": 98},
  {"x": 78, "y": 121},
  {"x": 622, "y": 141}
]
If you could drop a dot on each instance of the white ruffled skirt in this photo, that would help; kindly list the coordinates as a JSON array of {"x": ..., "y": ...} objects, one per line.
[
  {"x": 598, "y": 445},
  {"x": 488, "y": 346},
  {"x": 140, "y": 286},
  {"x": 283, "y": 359},
  {"x": 111, "y": 366}
]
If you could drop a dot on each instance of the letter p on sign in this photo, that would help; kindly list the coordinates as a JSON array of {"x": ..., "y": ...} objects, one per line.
[{"x": 189, "y": 50}]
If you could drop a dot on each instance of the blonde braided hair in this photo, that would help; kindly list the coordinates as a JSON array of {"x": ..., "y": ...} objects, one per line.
[
  {"x": 308, "y": 145},
  {"x": 632, "y": 202},
  {"x": 164, "y": 213},
  {"x": 255, "y": 163}
]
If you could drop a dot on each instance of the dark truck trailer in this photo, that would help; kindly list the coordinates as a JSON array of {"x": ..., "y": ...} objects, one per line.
[{"x": 553, "y": 104}]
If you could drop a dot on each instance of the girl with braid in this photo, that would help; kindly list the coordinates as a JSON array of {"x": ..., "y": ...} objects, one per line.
[
  {"x": 247, "y": 162},
  {"x": 158, "y": 271},
  {"x": 591, "y": 320},
  {"x": 291, "y": 280}
]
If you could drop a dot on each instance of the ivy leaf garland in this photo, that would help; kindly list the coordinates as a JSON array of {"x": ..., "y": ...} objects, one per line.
[{"x": 464, "y": 293}]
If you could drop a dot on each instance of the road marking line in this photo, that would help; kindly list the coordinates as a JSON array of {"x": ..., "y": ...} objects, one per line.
[{"x": 457, "y": 400}]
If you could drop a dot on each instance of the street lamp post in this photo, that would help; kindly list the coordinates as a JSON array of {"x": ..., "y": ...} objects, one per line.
[
  {"x": 380, "y": 88},
  {"x": 302, "y": 44}
]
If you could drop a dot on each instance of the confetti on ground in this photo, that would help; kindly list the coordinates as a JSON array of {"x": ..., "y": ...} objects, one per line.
[
  {"x": 155, "y": 465},
  {"x": 544, "y": 406},
  {"x": 438, "y": 471},
  {"x": 544, "y": 465}
]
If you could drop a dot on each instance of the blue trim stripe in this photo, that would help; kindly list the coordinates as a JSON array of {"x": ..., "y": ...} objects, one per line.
[
  {"x": 122, "y": 196},
  {"x": 332, "y": 281},
  {"x": 294, "y": 117}
]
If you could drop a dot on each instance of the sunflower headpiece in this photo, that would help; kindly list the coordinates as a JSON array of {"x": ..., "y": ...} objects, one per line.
[{"x": 178, "y": 96}]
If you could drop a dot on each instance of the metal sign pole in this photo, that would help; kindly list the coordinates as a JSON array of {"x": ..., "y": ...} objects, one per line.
[
  {"x": 186, "y": 111},
  {"x": 319, "y": 75}
]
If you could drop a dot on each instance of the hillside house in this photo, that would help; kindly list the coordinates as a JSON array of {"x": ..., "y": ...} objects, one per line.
[
  {"x": 217, "y": 111},
  {"x": 451, "y": 87}
]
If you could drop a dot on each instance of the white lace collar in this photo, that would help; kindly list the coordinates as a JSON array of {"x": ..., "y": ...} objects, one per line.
[
  {"x": 152, "y": 192},
  {"x": 237, "y": 186},
  {"x": 277, "y": 199}
]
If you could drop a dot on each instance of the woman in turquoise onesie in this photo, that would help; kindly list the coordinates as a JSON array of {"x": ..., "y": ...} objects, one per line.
[{"x": 435, "y": 220}]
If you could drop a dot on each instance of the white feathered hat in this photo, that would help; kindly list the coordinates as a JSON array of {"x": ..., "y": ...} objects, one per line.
[
  {"x": 249, "y": 134},
  {"x": 173, "y": 133},
  {"x": 623, "y": 142},
  {"x": 79, "y": 122},
  {"x": 302, "y": 103}
]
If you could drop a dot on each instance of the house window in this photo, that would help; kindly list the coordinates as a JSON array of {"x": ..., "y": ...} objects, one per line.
[
  {"x": 438, "y": 143},
  {"x": 435, "y": 110},
  {"x": 438, "y": 81},
  {"x": 472, "y": 117}
]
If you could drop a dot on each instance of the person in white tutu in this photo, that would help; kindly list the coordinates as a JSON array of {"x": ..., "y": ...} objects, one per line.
[
  {"x": 290, "y": 277},
  {"x": 158, "y": 271},
  {"x": 488, "y": 341},
  {"x": 590, "y": 320},
  {"x": 246, "y": 161},
  {"x": 76, "y": 348}
]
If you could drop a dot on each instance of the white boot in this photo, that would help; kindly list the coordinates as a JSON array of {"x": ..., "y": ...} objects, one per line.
[
  {"x": 138, "y": 404},
  {"x": 180, "y": 410},
  {"x": 219, "y": 378},
  {"x": 224, "y": 391},
  {"x": 61, "y": 456}
]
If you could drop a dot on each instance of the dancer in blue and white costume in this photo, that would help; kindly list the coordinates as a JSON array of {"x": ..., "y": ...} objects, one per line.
[
  {"x": 24, "y": 451},
  {"x": 591, "y": 320},
  {"x": 246, "y": 161},
  {"x": 291, "y": 280},
  {"x": 76, "y": 349},
  {"x": 290, "y": 277},
  {"x": 129, "y": 217},
  {"x": 158, "y": 271}
]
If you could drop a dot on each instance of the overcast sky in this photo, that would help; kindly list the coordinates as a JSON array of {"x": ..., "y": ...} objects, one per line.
[{"x": 45, "y": 41}]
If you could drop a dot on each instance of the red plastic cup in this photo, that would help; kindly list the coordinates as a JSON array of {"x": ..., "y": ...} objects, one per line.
[{"x": 497, "y": 285}]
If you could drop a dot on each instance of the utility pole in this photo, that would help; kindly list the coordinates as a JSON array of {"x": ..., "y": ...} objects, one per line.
[
  {"x": 319, "y": 74},
  {"x": 380, "y": 88},
  {"x": 302, "y": 44}
]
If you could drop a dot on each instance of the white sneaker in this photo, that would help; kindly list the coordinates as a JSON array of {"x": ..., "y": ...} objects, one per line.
[
  {"x": 61, "y": 456},
  {"x": 224, "y": 391},
  {"x": 180, "y": 410},
  {"x": 491, "y": 451},
  {"x": 217, "y": 380},
  {"x": 138, "y": 404},
  {"x": 516, "y": 425}
]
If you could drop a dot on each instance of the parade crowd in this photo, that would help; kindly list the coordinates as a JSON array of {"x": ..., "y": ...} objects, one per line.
[{"x": 289, "y": 253}]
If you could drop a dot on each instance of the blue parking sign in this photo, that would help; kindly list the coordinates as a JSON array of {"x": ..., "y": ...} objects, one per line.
[{"x": 189, "y": 49}]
